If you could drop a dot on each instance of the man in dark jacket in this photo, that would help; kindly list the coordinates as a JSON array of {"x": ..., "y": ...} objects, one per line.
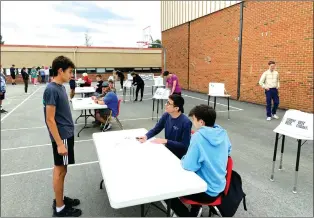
[
  {"x": 138, "y": 81},
  {"x": 121, "y": 77},
  {"x": 12, "y": 72},
  {"x": 25, "y": 78}
]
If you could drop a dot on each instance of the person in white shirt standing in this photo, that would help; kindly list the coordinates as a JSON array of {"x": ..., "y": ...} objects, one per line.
[{"x": 270, "y": 82}]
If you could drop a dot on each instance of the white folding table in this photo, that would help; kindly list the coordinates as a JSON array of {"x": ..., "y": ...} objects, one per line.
[
  {"x": 84, "y": 90},
  {"x": 297, "y": 125},
  {"x": 137, "y": 173},
  {"x": 84, "y": 104},
  {"x": 219, "y": 96},
  {"x": 128, "y": 85},
  {"x": 160, "y": 95}
]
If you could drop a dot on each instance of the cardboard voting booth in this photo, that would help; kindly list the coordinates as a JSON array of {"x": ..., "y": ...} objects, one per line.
[
  {"x": 160, "y": 95},
  {"x": 298, "y": 125},
  {"x": 159, "y": 81},
  {"x": 130, "y": 77},
  {"x": 216, "y": 89}
]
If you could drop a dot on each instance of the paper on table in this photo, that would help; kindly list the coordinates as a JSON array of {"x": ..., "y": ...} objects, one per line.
[{"x": 162, "y": 93}]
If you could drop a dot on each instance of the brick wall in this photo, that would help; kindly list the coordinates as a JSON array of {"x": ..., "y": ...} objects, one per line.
[
  {"x": 279, "y": 31},
  {"x": 176, "y": 42},
  {"x": 283, "y": 32},
  {"x": 213, "y": 50}
]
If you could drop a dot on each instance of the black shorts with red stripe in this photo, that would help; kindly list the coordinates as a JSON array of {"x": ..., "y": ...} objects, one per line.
[{"x": 65, "y": 160}]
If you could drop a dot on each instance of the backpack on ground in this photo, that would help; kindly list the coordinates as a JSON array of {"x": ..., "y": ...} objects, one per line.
[{"x": 230, "y": 202}]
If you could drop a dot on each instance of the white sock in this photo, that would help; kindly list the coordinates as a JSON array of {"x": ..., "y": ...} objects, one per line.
[{"x": 60, "y": 208}]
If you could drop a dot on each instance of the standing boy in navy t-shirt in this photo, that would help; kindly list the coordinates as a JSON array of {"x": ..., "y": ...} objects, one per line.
[{"x": 60, "y": 125}]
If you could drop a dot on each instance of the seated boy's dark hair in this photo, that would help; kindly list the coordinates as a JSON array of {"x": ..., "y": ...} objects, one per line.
[
  {"x": 110, "y": 81},
  {"x": 166, "y": 73},
  {"x": 205, "y": 113},
  {"x": 271, "y": 62},
  {"x": 61, "y": 62},
  {"x": 178, "y": 101},
  {"x": 99, "y": 76}
]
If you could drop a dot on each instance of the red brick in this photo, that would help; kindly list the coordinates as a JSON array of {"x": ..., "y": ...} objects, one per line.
[{"x": 289, "y": 42}]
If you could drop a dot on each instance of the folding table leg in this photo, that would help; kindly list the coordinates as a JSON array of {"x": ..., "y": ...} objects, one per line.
[
  {"x": 152, "y": 90},
  {"x": 85, "y": 125},
  {"x": 169, "y": 208},
  {"x": 130, "y": 94},
  {"x": 142, "y": 210},
  {"x": 274, "y": 157},
  {"x": 101, "y": 183},
  {"x": 228, "y": 110},
  {"x": 79, "y": 116},
  {"x": 157, "y": 108},
  {"x": 153, "y": 109},
  {"x": 297, "y": 167},
  {"x": 208, "y": 100},
  {"x": 282, "y": 150},
  {"x": 215, "y": 98}
]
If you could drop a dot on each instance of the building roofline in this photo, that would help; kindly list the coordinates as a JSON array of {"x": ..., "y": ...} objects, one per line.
[{"x": 86, "y": 47}]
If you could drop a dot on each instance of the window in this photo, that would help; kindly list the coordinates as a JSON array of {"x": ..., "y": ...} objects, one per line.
[
  {"x": 80, "y": 70},
  {"x": 109, "y": 70},
  {"x": 146, "y": 70},
  {"x": 101, "y": 70},
  {"x": 90, "y": 70},
  {"x": 138, "y": 70},
  {"x": 156, "y": 70}
]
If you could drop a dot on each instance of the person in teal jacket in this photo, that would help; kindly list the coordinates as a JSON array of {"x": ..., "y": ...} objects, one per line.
[{"x": 207, "y": 156}]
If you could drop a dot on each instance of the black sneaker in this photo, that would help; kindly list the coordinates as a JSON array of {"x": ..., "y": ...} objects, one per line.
[
  {"x": 107, "y": 127},
  {"x": 68, "y": 202},
  {"x": 67, "y": 212},
  {"x": 3, "y": 111}
]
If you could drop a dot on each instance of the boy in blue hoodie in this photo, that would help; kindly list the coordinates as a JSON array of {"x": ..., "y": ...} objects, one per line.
[
  {"x": 177, "y": 127},
  {"x": 207, "y": 156}
]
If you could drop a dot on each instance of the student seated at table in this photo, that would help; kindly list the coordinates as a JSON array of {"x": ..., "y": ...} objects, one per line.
[
  {"x": 111, "y": 86},
  {"x": 177, "y": 127},
  {"x": 88, "y": 81},
  {"x": 207, "y": 156},
  {"x": 111, "y": 100},
  {"x": 99, "y": 84}
]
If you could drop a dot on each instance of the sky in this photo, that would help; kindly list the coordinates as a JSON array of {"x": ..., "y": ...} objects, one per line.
[{"x": 108, "y": 23}]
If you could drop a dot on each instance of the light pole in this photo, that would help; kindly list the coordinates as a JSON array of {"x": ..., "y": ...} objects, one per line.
[{"x": 164, "y": 51}]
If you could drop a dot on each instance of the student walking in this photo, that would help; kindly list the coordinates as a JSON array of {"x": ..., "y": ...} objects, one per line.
[
  {"x": 139, "y": 82},
  {"x": 270, "y": 82},
  {"x": 34, "y": 75},
  {"x": 13, "y": 74},
  {"x": 2, "y": 90},
  {"x": 25, "y": 77},
  {"x": 60, "y": 125}
]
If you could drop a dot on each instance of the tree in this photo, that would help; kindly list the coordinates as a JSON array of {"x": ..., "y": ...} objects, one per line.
[
  {"x": 87, "y": 39},
  {"x": 1, "y": 42},
  {"x": 157, "y": 41}
]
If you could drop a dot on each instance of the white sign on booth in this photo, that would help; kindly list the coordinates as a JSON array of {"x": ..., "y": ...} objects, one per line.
[
  {"x": 159, "y": 81},
  {"x": 217, "y": 89},
  {"x": 162, "y": 93},
  {"x": 127, "y": 84},
  {"x": 296, "y": 124}
]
